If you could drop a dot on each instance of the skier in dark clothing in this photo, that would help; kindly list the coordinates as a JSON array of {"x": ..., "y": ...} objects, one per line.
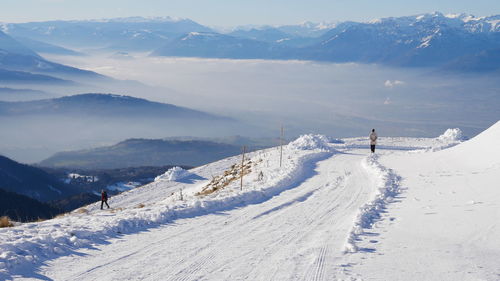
[
  {"x": 373, "y": 140},
  {"x": 104, "y": 198}
]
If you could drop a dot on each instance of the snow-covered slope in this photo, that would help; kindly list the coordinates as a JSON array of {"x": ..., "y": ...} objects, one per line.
[
  {"x": 446, "y": 223},
  {"x": 481, "y": 152},
  {"x": 157, "y": 203},
  {"x": 331, "y": 212}
]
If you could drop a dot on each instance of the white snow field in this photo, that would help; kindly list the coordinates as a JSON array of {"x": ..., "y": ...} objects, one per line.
[{"x": 418, "y": 209}]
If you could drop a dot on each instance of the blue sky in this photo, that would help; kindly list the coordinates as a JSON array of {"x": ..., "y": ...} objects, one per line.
[{"x": 238, "y": 12}]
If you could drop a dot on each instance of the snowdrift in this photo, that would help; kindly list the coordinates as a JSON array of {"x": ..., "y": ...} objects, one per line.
[
  {"x": 451, "y": 135},
  {"x": 481, "y": 151},
  {"x": 311, "y": 142},
  {"x": 173, "y": 174},
  {"x": 387, "y": 187}
]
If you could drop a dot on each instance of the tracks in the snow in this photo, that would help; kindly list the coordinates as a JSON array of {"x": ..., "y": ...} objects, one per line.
[{"x": 298, "y": 234}]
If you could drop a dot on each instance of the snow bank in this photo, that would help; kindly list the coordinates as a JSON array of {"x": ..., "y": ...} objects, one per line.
[
  {"x": 387, "y": 188},
  {"x": 173, "y": 174},
  {"x": 450, "y": 138},
  {"x": 451, "y": 135},
  {"x": 311, "y": 142},
  {"x": 481, "y": 151}
]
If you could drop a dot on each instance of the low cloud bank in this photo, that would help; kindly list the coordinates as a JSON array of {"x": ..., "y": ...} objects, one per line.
[{"x": 306, "y": 97}]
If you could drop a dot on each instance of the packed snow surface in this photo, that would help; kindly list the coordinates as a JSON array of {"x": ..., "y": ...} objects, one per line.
[{"x": 420, "y": 209}]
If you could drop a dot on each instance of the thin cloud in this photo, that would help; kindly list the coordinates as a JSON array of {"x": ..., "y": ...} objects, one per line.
[{"x": 394, "y": 83}]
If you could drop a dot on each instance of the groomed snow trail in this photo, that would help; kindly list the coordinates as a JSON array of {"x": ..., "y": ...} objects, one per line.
[{"x": 299, "y": 234}]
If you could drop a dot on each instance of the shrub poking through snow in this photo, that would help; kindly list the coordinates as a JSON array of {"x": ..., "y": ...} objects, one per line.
[
  {"x": 61, "y": 215},
  {"x": 219, "y": 182},
  {"x": 174, "y": 174},
  {"x": 5, "y": 222},
  {"x": 82, "y": 211},
  {"x": 114, "y": 210}
]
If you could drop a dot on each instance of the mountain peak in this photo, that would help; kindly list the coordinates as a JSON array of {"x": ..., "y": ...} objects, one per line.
[
  {"x": 90, "y": 96},
  {"x": 201, "y": 35},
  {"x": 463, "y": 16},
  {"x": 138, "y": 19}
]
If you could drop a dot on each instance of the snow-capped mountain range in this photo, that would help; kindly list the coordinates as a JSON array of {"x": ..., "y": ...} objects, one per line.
[
  {"x": 303, "y": 29},
  {"x": 467, "y": 22},
  {"x": 133, "y": 33},
  {"x": 455, "y": 42}
]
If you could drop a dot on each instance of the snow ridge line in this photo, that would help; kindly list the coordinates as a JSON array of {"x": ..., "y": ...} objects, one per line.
[
  {"x": 388, "y": 186},
  {"x": 23, "y": 249},
  {"x": 210, "y": 205}
]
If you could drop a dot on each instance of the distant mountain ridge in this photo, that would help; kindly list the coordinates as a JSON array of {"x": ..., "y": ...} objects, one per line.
[
  {"x": 38, "y": 65},
  {"x": 128, "y": 34},
  {"x": 215, "y": 45},
  {"x": 144, "y": 152},
  {"x": 16, "y": 77},
  {"x": 22, "y": 208},
  {"x": 87, "y": 120},
  {"x": 8, "y": 44},
  {"x": 42, "y": 47},
  {"x": 20, "y": 64},
  {"x": 101, "y": 105},
  {"x": 31, "y": 181},
  {"x": 427, "y": 40},
  {"x": 424, "y": 40}
]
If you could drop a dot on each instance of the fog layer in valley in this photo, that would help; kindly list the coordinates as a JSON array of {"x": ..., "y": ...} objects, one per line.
[
  {"x": 306, "y": 97},
  {"x": 312, "y": 96}
]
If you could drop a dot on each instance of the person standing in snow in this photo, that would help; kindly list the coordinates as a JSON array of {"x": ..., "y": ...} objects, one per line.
[
  {"x": 104, "y": 198},
  {"x": 373, "y": 140}
]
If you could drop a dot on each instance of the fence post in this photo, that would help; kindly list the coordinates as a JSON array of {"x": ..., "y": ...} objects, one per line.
[
  {"x": 242, "y": 167},
  {"x": 281, "y": 145}
]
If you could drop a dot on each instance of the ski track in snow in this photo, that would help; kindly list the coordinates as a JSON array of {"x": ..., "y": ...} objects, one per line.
[{"x": 303, "y": 242}]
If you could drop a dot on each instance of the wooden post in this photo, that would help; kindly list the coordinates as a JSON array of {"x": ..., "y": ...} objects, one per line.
[
  {"x": 242, "y": 167},
  {"x": 281, "y": 146}
]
